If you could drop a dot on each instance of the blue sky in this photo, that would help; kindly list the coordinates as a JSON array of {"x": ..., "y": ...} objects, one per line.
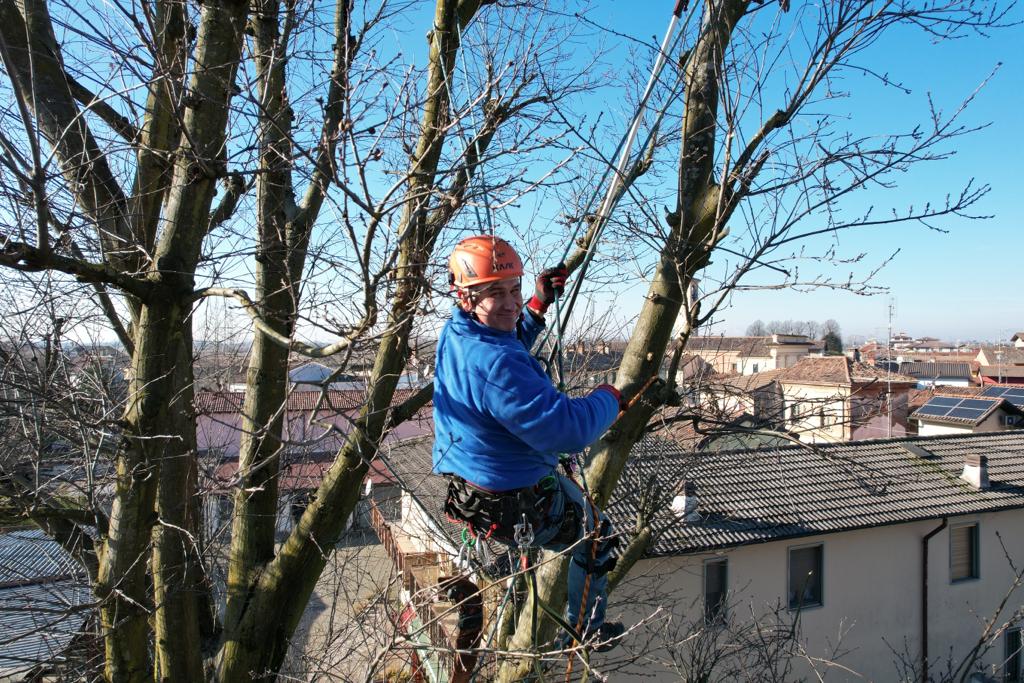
[{"x": 962, "y": 284}]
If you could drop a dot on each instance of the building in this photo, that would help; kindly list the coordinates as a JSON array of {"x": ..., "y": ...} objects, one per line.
[
  {"x": 1001, "y": 364},
  {"x": 315, "y": 427},
  {"x": 970, "y": 415},
  {"x": 877, "y": 560},
  {"x": 749, "y": 355},
  {"x": 943, "y": 374},
  {"x": 826, "y": 399}
]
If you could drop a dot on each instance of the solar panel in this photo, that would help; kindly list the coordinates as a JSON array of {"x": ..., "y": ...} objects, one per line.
[
  {"x": 976, "y": 403},
  {"x": 957, "y": 407},
  {"x": 937, "y": 411},
  {"x": 967, "y": 413},
  {"x": 1014, "y": 395}
]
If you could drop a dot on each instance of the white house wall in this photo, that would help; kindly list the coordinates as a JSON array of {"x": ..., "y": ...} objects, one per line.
[
  {"x": 935, "y": 429},
  {"x": 871, "y": 597},
  {"x": 993, "y": 423}
]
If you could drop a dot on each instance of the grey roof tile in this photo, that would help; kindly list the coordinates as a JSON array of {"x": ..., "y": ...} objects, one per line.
[{"x": 42, "y": 594}]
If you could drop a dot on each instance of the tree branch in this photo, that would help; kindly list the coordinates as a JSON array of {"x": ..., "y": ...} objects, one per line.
[
  {"x": 110, "y": 116},
  {"x": 235, "y": 188},
  {"x": 301, "y": 348},
  {"x": 26, "y": 258}
]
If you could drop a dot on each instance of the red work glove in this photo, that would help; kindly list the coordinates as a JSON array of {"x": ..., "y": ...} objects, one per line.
[
  {"x": 550, "y": 286},
  {"x": 611, "y": 390}
]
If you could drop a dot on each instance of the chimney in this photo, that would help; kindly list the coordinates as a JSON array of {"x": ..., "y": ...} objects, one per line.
[
  {"x": 976, "y": 471},
  {"x": 686, "y": 502}
]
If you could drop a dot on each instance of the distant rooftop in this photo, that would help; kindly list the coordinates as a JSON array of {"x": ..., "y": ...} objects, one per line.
[
  {"x": 747, "y": 347},
  {"x": 838, "y": 371}
]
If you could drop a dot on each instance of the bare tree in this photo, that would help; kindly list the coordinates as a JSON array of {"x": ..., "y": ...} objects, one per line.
[
  {"x": 157, "y": 155},
  {"x": 757, "y": 329},
  {"x": 136, "y": 180}
]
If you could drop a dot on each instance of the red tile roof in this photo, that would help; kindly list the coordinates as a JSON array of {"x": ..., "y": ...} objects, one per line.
[
  {"x": 300, "y": 476},
  {"x": 300, "y": 401},
  {"x": 830, "y": 370},
  {"x": 838, "y": 371}
]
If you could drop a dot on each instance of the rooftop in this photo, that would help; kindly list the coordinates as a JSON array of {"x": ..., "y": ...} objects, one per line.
[
  {"x": 838, "y": 371},
  {"x": 42, "y": 590},
  {"x": 756, "y": 496},
  {"x": 211, "y": 402},
  {"x": 754, "y": 347},
  {"x": 923, "y": 370},
  {"x": 1003, "y": 355},
  {"x": 918, "y": 397}
]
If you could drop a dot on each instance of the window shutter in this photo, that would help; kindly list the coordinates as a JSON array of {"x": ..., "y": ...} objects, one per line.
[
  {"x": 714, "y": 590},
  {"x": 961, "y": 561},
  {"x": 1014, "y": 657}
]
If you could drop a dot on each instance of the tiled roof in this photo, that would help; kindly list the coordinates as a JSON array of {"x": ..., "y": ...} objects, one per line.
[
  {"x": 755, "y": 496},
  {"x": 724, "y": 344},
  {"x": 1007, "y": 355},
  {"x": 771, "y": 494},
  {"x": 829, "y": 370},
  {"x": 863, "y": 372},
  {"x": 744, "y": 383},
  {"x": 838, "y": 371},
  {"x": 935, "y": 370},
  {"x": 334, "y": 401},
  {"x": 1001, "y": 371},
  {"x": 40, "y": 585}
]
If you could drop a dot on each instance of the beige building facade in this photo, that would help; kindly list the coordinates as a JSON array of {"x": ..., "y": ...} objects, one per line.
[{"x": 871, "y": 600}]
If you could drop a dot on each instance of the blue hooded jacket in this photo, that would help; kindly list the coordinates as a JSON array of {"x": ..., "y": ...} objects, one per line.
[{"x": 498, "y": 421}]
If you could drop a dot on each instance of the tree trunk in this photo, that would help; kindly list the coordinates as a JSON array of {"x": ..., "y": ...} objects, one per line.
[
  {"x": 162, "y": 338},
  {"x": 282, "y": 588},
  {"x": 178, "y": 587},
  {"x": 254, "y": 523}
]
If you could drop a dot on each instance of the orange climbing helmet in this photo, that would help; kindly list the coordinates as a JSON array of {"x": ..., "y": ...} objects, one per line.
[{"x": 482, "y": 259}]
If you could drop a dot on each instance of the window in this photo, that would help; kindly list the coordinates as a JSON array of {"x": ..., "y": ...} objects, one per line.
[
  {"x": 1013, "y": 664},
  {"x": 805, "y": 577},
  {"x": 756, "y": 366},
  {"x": 963, "y": 552},
  {"x": 715, "y": 581}
]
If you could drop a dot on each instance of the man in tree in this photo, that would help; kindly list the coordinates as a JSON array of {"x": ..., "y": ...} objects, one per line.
[{"x": 500, "y": 425}]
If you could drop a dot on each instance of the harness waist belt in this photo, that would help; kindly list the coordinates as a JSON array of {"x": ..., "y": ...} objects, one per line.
[{"x": 496, "y": 513}]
